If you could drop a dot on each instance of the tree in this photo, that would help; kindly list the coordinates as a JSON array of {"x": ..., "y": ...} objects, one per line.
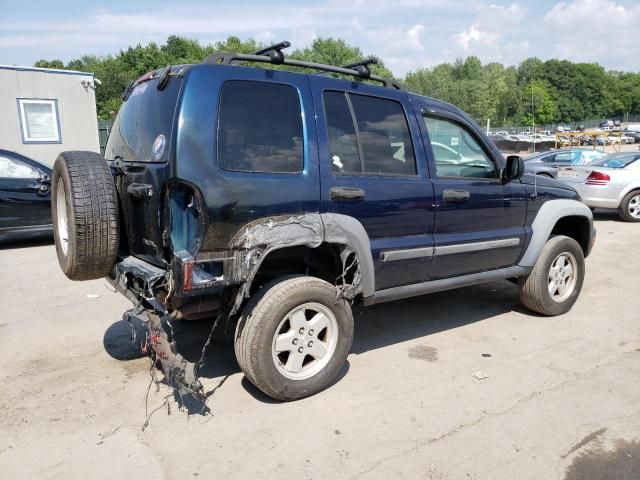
[
  {"x": 562, "y": 90},
  {"x": 49, "y": 64},
  {"x": 335, "y": 51},
  {"x": 538, "y": 104}
]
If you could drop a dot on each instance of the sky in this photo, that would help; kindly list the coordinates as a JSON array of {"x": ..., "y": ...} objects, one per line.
[{"x": 405, "y": 34}]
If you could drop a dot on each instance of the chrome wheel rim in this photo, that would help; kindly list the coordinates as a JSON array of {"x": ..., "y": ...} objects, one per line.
[
  {"x": 305, "y": 341},
  {"x": 634, "y": 206},
  {"x": 63, "y": 219},
  {"x": 562, "y": 277}
]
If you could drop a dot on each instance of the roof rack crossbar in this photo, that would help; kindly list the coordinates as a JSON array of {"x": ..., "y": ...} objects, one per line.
[
  {"x": 362, "y": 66},
  {"x": 278, "y": 47},
  {"x": 275, "y": 56}
]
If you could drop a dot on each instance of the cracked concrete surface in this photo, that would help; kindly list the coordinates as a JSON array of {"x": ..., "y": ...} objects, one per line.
[{"x": 557, "y": 388}]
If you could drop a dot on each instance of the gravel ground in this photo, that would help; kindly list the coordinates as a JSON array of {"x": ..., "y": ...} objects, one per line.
[{"x": 561, "y": 397}]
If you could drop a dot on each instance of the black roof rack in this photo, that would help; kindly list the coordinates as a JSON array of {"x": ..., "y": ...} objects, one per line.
[
  {"x": 273, "y": 54},
  {"x": 361, "y": 66}
]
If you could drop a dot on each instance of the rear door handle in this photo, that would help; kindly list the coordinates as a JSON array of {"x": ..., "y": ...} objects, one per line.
[
  {"x": 455, "y": 195},
  {"x": 346, "y": 193}
]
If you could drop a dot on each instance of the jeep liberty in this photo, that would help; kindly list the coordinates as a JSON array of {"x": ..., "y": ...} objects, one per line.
[{"x": 272, "y": 201}]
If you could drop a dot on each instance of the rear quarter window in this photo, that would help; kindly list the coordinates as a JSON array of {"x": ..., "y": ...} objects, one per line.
[{"x": 260, "y": 128}]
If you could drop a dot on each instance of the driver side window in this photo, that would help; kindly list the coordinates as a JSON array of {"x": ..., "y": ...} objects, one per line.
[
  {"x": 11, "y": 168},
  {"x": 456, "y": 151}
]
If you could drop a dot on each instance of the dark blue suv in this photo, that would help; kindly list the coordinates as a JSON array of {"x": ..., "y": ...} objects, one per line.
[{"x": 271, "y": 201}]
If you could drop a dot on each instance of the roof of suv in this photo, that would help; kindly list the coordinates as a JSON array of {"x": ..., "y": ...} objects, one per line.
[{"x": 273, "y": 55}]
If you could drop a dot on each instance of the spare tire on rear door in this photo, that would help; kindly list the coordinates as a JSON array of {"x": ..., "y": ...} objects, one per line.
[{"x": 84, "y": 207}]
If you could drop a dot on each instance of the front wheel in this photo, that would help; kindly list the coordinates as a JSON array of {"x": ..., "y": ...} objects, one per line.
[
  {"x": 555, "y": 282},
  {"x": 293, "y": 337}
]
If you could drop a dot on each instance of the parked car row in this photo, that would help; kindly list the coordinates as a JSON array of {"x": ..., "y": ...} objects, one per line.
[
  {"x": 523, "y": 137},
  {"x": 602, "y": 181}
]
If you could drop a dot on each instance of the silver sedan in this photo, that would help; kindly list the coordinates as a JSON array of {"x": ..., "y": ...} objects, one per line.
[{"x": 610, "y": 182}]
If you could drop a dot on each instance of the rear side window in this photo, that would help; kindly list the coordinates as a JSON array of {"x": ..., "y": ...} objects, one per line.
[
  {"x": 368, "y": 135},
  {"x": 260, "y": 128},
  {"x": 145, "y": 116}
]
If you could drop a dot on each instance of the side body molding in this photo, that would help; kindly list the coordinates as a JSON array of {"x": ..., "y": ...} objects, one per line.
[{"x": 548, "y": 215}]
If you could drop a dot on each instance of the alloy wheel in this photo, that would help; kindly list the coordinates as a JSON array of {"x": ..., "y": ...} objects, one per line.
[
  {"x": 63, "y": 219},
  {"x": 305, "y": 341},
  {"x": 562, "y": 277},
  {"x": 634, "y": 206}
]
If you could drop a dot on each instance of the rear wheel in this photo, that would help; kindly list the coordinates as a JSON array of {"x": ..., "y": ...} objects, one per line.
[
  {"x": 629, "y": 209},
  {"x": 555, "y": 282},
  {"x": 84, "y": 207},
  {"x": 294, "y": 337}
]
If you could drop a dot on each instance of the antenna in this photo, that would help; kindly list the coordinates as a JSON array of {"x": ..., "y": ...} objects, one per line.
[{"x": 533, "y": 123}]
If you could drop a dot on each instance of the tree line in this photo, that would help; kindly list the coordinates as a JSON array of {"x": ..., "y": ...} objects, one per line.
[{"x": 544, "y": 92}]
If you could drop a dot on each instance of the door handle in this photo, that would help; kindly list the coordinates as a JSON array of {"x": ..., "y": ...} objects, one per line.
[
  {"x": 455, "y": 195},
  {"x": 346, "y": 193}
]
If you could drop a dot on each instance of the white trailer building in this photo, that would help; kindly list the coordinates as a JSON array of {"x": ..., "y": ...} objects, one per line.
[{"x": 46, "y": 111}]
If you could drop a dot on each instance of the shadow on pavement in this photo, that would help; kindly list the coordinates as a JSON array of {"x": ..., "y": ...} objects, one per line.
[
  {"x": 375, "y": 327},
  {"x": 34, "y": 240},
  {"x": 607, "y": 216}
]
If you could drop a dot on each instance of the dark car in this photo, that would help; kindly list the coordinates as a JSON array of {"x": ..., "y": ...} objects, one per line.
[
  {"x": 271, "y": 201},
  {"x": 25, "y": 197},
  {"x": 634, "y": 135},
  {"x": 547, "y": 163}
]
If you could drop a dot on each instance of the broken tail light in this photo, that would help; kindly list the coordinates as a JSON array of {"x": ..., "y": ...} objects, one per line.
[
  {"x": 195, "y": 275},
  {"x": 597, "y": 178}
]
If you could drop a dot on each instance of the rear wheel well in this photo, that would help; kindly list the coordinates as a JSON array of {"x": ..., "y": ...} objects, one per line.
[
  {"x": 636, "y": 189},
  {"x": 576, "y": 227},
  {"x": 323, "y": 262}
]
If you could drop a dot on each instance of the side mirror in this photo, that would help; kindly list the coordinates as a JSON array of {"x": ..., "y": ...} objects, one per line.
[{"x": 514, "y": 169}]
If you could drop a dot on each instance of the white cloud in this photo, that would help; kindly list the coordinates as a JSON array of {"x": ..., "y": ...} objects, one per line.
[
  {"x": 595, "y": 30},
  {"x": 414, "y": 35},
  {"x": 474, "y": 35},
  {"x": 406, "y": 34}
]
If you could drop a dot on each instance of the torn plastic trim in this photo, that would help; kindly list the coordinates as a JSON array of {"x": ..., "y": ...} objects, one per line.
[
  {"x": 207, "y": 273},
  {"x": 261, "y": 237}
]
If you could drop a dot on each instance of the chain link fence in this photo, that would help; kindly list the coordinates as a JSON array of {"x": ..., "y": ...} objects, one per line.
[
  {"x": 104, "y": 128},
  {"x": 553, "y": 127}
]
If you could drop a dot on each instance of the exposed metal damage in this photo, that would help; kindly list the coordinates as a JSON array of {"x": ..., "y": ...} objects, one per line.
[
  {"x": 160, "y": 296},
  {"x": 257, "y": 239}
]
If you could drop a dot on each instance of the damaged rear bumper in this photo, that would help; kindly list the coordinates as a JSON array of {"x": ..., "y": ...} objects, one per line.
[{"x": 140, "y": 282}]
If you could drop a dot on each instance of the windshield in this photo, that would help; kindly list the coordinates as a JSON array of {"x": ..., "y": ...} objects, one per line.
[{"x": 615, "y": 160}]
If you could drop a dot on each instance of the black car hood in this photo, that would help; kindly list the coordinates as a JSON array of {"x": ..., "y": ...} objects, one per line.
[{"x": 543, "y": 181}]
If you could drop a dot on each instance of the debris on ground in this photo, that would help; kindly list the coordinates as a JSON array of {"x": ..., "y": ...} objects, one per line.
[{"x": 479, "y": 375}]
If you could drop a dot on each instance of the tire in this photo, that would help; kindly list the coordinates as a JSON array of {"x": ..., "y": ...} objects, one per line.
[
  {"x": 629, "y": 209},
  {"x": 545, "y": 175},
  {"x": 276, "y": 311},
  {"x": 84, "y": 199},
  {"x": 535, "y": 288}
]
